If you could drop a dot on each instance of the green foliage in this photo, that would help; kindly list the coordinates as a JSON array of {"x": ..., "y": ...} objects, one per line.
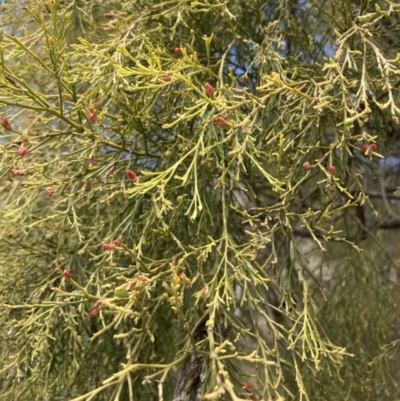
[{"x": 152, "y": 223}]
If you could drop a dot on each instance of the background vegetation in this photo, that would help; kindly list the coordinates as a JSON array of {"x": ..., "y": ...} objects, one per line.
[{"x": 198, "y": 200}]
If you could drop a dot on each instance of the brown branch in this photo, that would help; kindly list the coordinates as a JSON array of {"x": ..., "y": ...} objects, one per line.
[{"x": 389, "y": 224}]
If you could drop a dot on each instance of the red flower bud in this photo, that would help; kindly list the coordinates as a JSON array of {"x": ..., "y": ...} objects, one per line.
[
  {"x": 363, "y": 149},
  {"x": 93, "y": 161},
  {"x": 97, "y": 304},
  {"x": 220, "y": 122},
  {"x": 22, "y": 151},
  {"x": 117, "y": 242},
  {"x": 5, "y": 123},
  {"x": 108, "y": 247},
  {"x": 93, "y": 312},
  {"x": 167, "y": 78},
  {"x": 248, "y": 386},
  {"x": 92, "y": 117},
  {"x": 373, "y": 147},
  {"x": 209, "y": 89},
  {"x": 178, "y": 51},
  {"x": 31, "y": 116},
  {"x": 108, "y": 15},
  {"x": 332, "y": 170},
  {"x": 131, "y": 175},
  {"x": 67, "y": 274},
  {"x": 25, "y": 140},
  {"x": 142, "y": 279},
  {"x": 51, "y": 192},
  {"x": 307, "y": 165}
]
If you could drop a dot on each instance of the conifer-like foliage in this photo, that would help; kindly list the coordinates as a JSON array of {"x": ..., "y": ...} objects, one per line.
[{"x": 198, "y": 200}]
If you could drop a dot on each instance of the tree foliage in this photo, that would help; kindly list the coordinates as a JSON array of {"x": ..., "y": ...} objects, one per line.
[{"x": 197, "y": 200}]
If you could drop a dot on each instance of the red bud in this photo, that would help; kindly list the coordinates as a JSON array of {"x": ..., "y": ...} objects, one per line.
[
  {"x": 92, "y": 117},
  {"x": 5, "y": 123},
  {"x": 108, "y": 15},
  {"x": 131, "y": 175},
  {"x": 178, "y": 51},
  {"x": 93, "y": 161},
  {"x": 117, "y": 242},
  {"x": 142, "y": 279},
  {"x": 307, "y": 165},
  {"x": 31, "y": 116},
  {"x": 51, "y": 192},
  {"x": 248, "y": 386},
  {"x": 67, "y": 274},
  {"x": 209, "y": 89},
  {"x": 108, "y": 247},
  {"x": 93, "y": 312},
  {"x": 22, "y": 151},
  {"x": 332, "y": 170},
  {"x": 167, "y": 78},
  {"x": 220, "y": 122},
  {"x": 363, "y": 148},
  {"x": 373, "y": 146}
]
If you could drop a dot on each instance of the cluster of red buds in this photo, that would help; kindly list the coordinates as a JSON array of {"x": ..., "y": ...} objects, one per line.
[
  {"x": 364, "y": 148},
  {"x": 307, "y": 166}
]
